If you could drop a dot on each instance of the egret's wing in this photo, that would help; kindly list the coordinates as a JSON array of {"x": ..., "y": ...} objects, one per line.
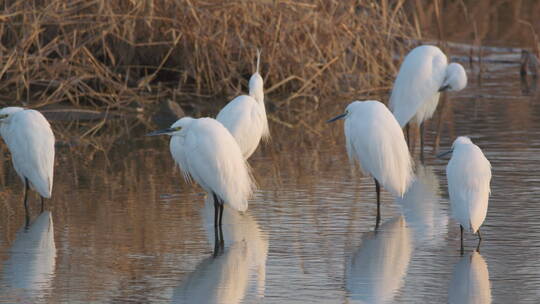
[
  {"x": 32, "y": 149},
  {"x": 244, "y": 120},
  {"x": 417, "y": 83},
  {"x": 375, "y": 136},
  {"x": 469, "y": 176},
  {"x": 216, "y": 162}
]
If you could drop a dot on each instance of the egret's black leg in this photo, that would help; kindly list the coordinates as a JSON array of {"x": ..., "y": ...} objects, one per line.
[
  {"x": 422, "y": 142},
  {"x": 221, "y": 207},
  {"x": 479, "y": 240},
  {"x": 216, "y": 209},
  {"x": 378, "y": 190},
  {"x": 461, "y": 229},
  {"x": 221, "y": 240},
  {"x": 42, "y": 204},
  {"x": 27, "y": 213},
  {"x": 216, "y": 241}
]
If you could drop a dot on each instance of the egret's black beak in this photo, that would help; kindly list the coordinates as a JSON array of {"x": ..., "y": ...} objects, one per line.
[
  {"x": 341, "y": 116},
  {"x": 442, "y": 154},
  {"x": 444, "y": 88},
  {"x": 161, "y": 132}
]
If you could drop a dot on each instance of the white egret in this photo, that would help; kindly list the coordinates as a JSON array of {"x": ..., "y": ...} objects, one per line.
[
  {"x": 206, "y": 152},
  {"x": 30, "y": 139},
  {"x": 469, "y": 174},
  {"x": 375, "y": 140},
  {"x": 29, "y": 270},
  {"x": 470, "y": 281},
  {"x": 424, "y": 73},
  {"x": 245, "y": 116},
  {"x": 377, "y": 269}
]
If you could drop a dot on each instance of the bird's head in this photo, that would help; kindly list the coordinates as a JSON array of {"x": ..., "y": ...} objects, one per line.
[
  {"x": 256, "y": 87},
  {"x": 176, "y": 128},
  {"x": 455, "y": 78},
  {"x": 461, "y": 140},
  {"x": 5, "y": 113},
  {"x": 256, "y": 83},
  {"x": 353, "y": 106}
]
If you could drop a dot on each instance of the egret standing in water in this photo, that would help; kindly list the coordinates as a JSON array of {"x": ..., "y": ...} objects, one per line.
[
  {"x": 245, "y": 116},
  {"x": 30, "y": 139},
  {"x": 375, "y": 140},
  {"x": 206, "y": 152},
  {"x": 469, "y": 174},
  {"x": 423, "y": 75}
]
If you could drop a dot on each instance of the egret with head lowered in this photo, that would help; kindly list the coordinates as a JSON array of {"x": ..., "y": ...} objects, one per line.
[
  {"x": 469, "y": 175},
  {"x": 30, "y": 139},
  {"x": 423, "y": 75},
  {"x": 375, "y": 141},
  {"x": 207, "y": 153},
  {"x": 245, "y": 116}
]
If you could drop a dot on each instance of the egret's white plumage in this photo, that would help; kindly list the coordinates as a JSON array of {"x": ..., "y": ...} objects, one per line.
[
  {"x": 375, "y": 140},
  {"x": 30, "y": 139},
  {"x": 205, "y": 150},
  {"x": 469, "y": 176},
  {"x": 470, "y": 281},
  {"x": 245, "y": 116},
  {"x": 377, "y": 269},
  {"x": 423, "y": 74}
]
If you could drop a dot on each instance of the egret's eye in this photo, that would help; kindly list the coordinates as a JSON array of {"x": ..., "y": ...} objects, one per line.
[
  {"x": 177, "y": 128},
  {"x": 2, "y": 116}
]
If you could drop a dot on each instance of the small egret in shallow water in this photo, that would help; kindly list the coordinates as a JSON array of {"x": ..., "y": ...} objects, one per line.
[
  {"x": 245, "y": 116},
  {"x": 376, "y": 142},
  {"x": 206, "y": 152},
  {"x": 469, "y": 174},
  {"x": 424, "y": 73},
  {"x": 30, "y": 139}
]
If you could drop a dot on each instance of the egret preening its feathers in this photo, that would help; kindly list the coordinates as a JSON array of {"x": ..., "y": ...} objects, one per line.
[
  {"x": 206, "y": 152},
  {"x": 424, "y": 73},
  {"x": 245, "y": 116},
  {"x": 469, "y": 175},
  {"x": 375, "y": 141},
  {"x": 30, "y": 140}
]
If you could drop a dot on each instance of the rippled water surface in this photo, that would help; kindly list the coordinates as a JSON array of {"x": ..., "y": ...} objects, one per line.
[{"x": 127, "y": 228}]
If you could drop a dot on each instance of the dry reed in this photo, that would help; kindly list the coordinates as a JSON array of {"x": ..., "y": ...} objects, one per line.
[{"x": 128, "y": 55}]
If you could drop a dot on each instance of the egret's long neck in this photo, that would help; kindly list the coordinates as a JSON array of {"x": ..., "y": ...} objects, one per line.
[
  {"x": 256, "y": 88},
  {"x": 258, "y": 95}
]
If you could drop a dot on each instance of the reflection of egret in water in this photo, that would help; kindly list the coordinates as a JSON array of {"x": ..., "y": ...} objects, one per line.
[
  {"x": 470, "y": 281},
  {"x": 377, "y": 269},
  {"x": 422, "y": 209},
  {"x": 227, "y": 277},
  {"x": 29, "y": 271}
]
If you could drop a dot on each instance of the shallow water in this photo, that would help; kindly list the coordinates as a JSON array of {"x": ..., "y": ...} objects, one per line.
[{"x": 127, "y": 228}]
